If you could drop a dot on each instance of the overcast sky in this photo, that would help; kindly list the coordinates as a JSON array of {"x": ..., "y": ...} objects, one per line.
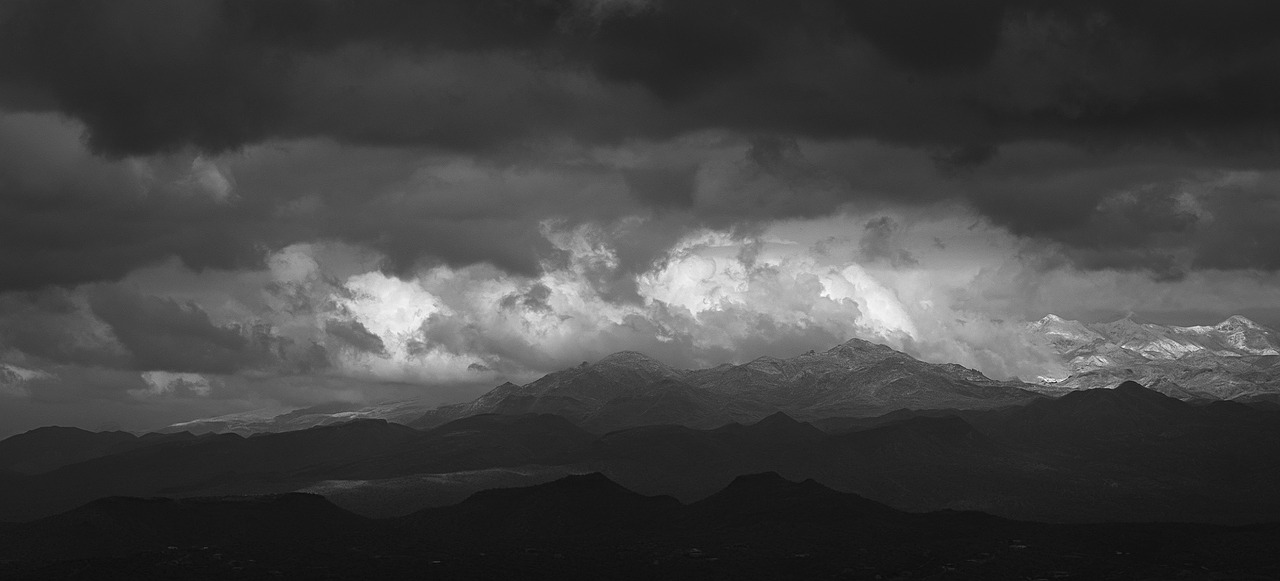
[{"x": 214, "y": 206}]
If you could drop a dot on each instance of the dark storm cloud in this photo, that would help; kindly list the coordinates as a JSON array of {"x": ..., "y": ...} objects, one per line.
[
  {"x": 663, "y": 186},
  {"x": 50, "y": 325},
  {"x": 513, "y": 245},
  {"x": 1138, "y": 227},
  {"x": 155, "y": 75},
  {"x": 954, "y": 161},
  {"x": 164, "y": 334},
  {"x": 1243, "y": 232},
  {"x": 878, "y": 243},
  {"x": 355, "y": 334},
  {"x": 931, "y": 36},
  {"x": 534, "y": 299},
  {"x": 67, "y": 217},
  {"x": 964, "y": 81}
]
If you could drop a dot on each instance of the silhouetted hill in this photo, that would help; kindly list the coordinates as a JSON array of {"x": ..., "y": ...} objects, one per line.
[
  {"x": 1128, "y": 453},
  {"x": 572, "y": 509},
  {"x": 219, "y": 464},
  {"x": 768, "y": 497},
  {"x": 1131, "y": 453},
  {"x": 775, "y": 429},
  {"x": 1099, "y": 416},
  {"x": 840, "y": 425},
  {"x": 587, "y": 527},
  {"x": 123, "y": 525},
  {"x": 690, "y": 464},
  {"x": 477, "y": 442},
  {"x": 44, "y": 449}
]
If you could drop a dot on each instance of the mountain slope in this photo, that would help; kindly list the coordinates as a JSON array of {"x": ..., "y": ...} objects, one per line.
[
  {"x": 630, "y": 389},
  {"x": 44, "y": 449},
  {"x": 1234, "y": 359},
  {"x": 212, "y": 465}
]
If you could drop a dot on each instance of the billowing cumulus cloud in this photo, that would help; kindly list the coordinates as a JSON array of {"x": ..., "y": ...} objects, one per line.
[{"x": 322, "y": 323}]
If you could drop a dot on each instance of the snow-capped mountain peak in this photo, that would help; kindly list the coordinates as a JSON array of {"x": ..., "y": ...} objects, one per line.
[
  {"x": 1195, "y": 361},
  {"x": 1236, "y": 321}
]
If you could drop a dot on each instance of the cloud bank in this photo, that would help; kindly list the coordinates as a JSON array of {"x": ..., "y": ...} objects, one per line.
[{"x": 229, "y": 204}]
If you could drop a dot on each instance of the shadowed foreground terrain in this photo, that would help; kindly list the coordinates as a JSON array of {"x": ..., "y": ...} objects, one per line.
[{"x": 760, "y": 526}]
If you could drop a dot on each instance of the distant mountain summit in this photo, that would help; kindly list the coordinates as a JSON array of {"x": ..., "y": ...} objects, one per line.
[
  {"x": 631, "y": 389},
  {"x": 1237, "y": 358}
]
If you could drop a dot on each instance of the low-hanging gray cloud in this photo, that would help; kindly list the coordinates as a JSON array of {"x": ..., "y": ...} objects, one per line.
[
  {"x": 908, "y": 102},
  {"x": 219, "y": 74},
  {"x": 163, "y": 334}
]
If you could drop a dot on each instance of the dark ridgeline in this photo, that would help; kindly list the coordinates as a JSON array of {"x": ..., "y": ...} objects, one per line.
[
  {"x": 760, "y": 526},
  {"x": 640, "y": 473},
  {"x": 44, "y": 449}
]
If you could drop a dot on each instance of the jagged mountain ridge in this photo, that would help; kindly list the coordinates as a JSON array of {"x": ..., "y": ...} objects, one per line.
[
  {"x": 48, "y": 448},
  {"x": 1235, "y": 359},
  {"x": 630, "y": 389}
]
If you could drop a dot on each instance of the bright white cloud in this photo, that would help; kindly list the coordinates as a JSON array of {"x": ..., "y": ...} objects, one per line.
[
  {"x": 714, "y": 298},
  {"x": 391, "y": 308},
  {"x": 14, "y": 380}
]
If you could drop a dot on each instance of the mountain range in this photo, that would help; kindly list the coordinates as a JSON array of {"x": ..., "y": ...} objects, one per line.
[
  {"x": 1128, "y": 453},
  {"x": 1234, "y": 359},
  {"x": 627, "y": 466},
  {"x": 625, "y": 389},
  {"x": 858, "y": 419},
  {"x": 857, "y": 378}
]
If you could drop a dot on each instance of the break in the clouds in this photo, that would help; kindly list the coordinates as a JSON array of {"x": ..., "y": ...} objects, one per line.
[{"x": 215, "y": 205}]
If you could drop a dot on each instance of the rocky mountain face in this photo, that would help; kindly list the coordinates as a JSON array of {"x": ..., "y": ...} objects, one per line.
[
  {"x": 857, "y": 378},
  {"x": 1235, "y": 359}
]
